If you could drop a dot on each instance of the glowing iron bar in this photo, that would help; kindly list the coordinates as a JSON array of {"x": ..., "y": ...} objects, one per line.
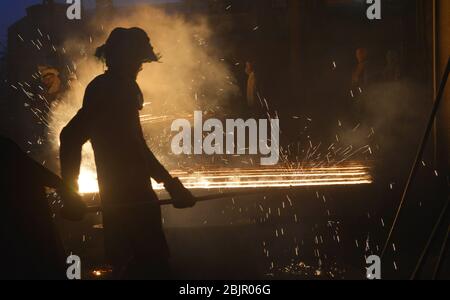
[
  {"x": 274, "y": 177},
  {"x": 299, "y": 169},
  {"x": 256, "y": 178},
  {"x": 296, "y": 174},
  {"x": 240, "y": 185}
]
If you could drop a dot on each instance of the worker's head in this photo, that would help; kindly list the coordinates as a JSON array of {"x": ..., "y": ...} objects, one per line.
[
  {"x": 126, "y": 50},
  {"x": 249, "y": 67},
  {"x": 361, "y": 55}
]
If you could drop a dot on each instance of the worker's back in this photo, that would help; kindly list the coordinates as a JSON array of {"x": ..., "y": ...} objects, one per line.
[{"x": 116, "y": 134}]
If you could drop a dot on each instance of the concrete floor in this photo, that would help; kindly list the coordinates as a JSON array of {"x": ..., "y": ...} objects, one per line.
[{"x": 313, "y": 233}]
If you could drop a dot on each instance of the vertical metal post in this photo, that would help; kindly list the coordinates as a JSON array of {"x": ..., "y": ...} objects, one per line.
[
  {"x": 430, "y": 241},
  {"x": 419, "y": 155}
]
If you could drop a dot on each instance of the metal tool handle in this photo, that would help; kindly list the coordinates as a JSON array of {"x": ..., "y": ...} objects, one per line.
[{"x": 218, "y": 196}]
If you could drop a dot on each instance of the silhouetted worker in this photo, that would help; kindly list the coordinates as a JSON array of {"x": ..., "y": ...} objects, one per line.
[
  {"x": 134, "y": 240},
  {"x": 30, "y": 246}
]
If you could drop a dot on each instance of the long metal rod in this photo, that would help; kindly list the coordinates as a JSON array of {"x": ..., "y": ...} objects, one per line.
[
  {"x": 419, "y": 155},
  {"x": 435, "y": 79},
  {"x": 430, "y": 241},
  {"x": 218, "y": 196},
  {"x": 441, "y": 259}
]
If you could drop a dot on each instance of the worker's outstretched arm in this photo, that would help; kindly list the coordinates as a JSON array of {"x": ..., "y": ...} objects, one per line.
[
  {"x": 181, "y": 196},
  {"x": 157, "y": 170}
]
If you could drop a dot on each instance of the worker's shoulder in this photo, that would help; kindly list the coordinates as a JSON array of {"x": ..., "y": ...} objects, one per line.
[
  {"x": 96, "y": 91},
  {"x": 98, "y": 83},
  {"x": 107, "y": 82}
]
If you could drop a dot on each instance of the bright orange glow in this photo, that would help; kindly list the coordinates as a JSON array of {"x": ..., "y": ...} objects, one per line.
[
  {"x": 87, "y": 181},
  {"x": 352, "y": 174},
  {"x": 97, "y": 273}
]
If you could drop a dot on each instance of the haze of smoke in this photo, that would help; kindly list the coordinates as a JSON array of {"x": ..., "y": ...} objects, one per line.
[
  {"x": 190, "y": 76},
  {"x": 395, "y": 112}
]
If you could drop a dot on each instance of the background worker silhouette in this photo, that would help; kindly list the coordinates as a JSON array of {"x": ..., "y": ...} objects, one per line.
[
  {"x": 134, "y": 240},
  {"x": 30, "y": 246}
]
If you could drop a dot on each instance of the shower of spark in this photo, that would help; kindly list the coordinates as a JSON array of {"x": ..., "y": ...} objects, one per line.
[
  {"x": 351, "y": 174},
  {"x": 191, "y": 89}
]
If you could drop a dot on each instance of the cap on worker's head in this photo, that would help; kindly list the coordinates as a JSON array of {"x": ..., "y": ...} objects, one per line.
[{"x": 127, "y": 42}]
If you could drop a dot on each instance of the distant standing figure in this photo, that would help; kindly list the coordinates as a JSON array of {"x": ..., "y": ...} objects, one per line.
[
  {"x": 360, "y": 75},
  {"x": 252, "y": 92}
]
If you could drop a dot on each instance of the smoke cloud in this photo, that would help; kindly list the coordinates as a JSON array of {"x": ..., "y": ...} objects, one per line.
[{"x": 191, "y": 75}]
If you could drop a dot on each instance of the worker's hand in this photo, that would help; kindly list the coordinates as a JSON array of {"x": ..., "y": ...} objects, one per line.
[
  {"x": 74, "y": 209},
  {"x": 181, "y": 196}
]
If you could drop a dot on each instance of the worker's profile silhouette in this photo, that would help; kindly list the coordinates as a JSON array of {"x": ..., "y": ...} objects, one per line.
[
  {"x": 30, "y": 245},
  {"x": 134, "y": 240}
]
